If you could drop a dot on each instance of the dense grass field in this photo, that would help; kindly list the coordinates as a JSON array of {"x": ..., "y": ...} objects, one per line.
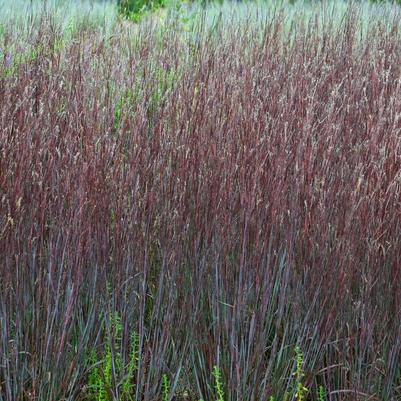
[{"x": 202, "y": 205}]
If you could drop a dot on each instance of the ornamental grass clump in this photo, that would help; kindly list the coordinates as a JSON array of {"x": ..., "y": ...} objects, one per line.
[{"x": 237, "y": 189}]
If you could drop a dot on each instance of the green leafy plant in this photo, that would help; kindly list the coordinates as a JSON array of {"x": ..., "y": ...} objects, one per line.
[
  {"x": 117, "y": 113},
  {"x": 134, "y": 10},
  {"x": 101, "y": 373},
  {"x": 218, "y": 383},
  {"x": 107, "y": 366},
  {"x": 128, "y": 386},
  {"x": 95, "y": 383},
  {"x": 165, "y": 387},
  {"x": 299, "y": 374},
  {"x": 321, "y": 394},
  {"x": 117, "y": 340},
  {"x": 96, "y": 389}
]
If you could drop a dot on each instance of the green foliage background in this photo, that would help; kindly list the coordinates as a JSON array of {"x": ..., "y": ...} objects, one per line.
[{"x": 134, "y": 9}]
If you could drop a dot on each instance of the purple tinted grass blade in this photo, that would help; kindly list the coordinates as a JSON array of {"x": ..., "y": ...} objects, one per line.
[{"x": 7, "y": 59}]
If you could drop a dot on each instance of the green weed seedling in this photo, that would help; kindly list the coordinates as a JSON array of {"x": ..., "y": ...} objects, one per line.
[
  {"x": 128, "y": 387},
  {"x": 299, "y": 374},
  {"x": 96, "y": 389},
  {"x": 165, "y": 387},
  {"x": 107, "y": 366},
  {"x": 102, "y": 373},
  {"x": 112, "y": 344},
  {"x": 118, "y": 328},
  {"x": 218, "y": 383},
  {"x": 321, "y": 395}
]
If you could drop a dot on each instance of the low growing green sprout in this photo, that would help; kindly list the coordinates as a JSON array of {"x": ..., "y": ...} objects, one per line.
[
  {"x": 218, "y": 383},
  {"x": 301, "y": 390},
  {"x": 165, "y": 387},
  {"x": 321, "y": 394}
]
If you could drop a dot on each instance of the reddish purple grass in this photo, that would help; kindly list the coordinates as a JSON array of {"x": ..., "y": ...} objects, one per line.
[{"x": 248, "y": 202}]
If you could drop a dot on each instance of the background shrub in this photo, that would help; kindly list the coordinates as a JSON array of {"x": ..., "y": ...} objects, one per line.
[{"x": 134, "y": 9}]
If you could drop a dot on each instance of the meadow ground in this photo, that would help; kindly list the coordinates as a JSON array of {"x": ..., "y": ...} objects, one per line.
[{"x": 203, "y": 205}]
